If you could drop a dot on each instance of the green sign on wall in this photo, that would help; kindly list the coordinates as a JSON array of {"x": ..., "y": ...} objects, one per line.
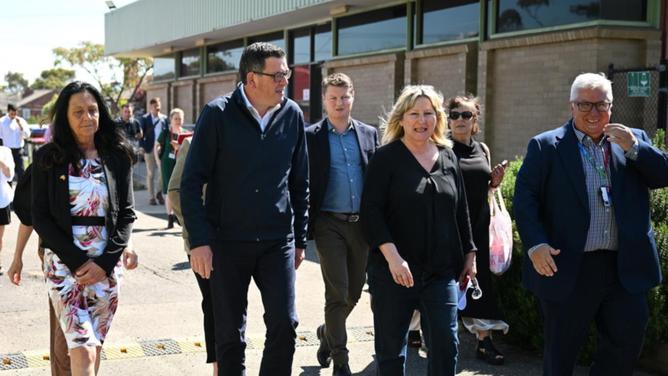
[{"x": 638, "y": 84}]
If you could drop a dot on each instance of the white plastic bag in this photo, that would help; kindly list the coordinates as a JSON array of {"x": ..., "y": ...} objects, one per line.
[{"x": 500, "y": 235}]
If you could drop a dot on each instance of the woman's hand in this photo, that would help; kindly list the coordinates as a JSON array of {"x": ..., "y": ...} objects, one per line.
[
  {"x": 14, "y": 272},
  {"x": 497, "y": 174},
  {"x": 470, "y": 269},
  {"x": 401, "y": 272},
  {"x": 130, "y": 258},
  {"x": 89, "y": 273}
]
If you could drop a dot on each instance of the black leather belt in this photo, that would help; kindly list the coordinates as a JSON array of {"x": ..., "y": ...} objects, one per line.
[
  {"x": 345, "y": 217},
  {"x": 87, "y": 221}
]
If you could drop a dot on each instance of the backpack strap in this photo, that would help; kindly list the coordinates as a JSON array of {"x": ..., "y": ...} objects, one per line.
[{"x": 485, "y": 149}]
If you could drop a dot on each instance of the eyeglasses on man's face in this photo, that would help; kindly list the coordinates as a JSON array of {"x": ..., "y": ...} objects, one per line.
[
  {"x": 588, "y": 106},
  {"x": 466, "y": 115},
  {"x": 278, "y": 76}
]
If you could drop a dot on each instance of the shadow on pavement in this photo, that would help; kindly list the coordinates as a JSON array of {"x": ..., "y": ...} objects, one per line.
[{"x": 181, "y": 266}]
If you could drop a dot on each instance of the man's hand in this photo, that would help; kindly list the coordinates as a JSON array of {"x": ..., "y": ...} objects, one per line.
[
  {"x": 130, "y": 259},
  {"x": 470, "y": 269},
  {"x": 201, "y": 261},
  {"x": 620, "y": 134},
  {"x": 14, "y": 272},
  {"x": 299, "y": 257},
  {"x": 543, "y": 262},
  {"x": 89, "y": 273}
]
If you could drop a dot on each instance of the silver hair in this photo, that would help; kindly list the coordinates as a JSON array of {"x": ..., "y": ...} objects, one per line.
[{"x": 591, "y": 81}]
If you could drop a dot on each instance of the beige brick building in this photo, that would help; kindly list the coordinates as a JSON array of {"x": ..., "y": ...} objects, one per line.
[{"x": 519, "y": 61}]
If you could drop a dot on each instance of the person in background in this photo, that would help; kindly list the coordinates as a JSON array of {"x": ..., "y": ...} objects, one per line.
[
  {"x": 173, "y": 196},
  {"x": 151, "y": 126},
  {"x": 582, "y": 210},
  {"x": 416, "y": 221},
  {"x": 83, "y": 231},
  {"x": 13, "y": 132},
  {"x": 481, "y": 316},
  {"x": 130, "y": 125},
  {"x": 166, "y": 147},
  {"x": 6, "y": 191},
  {"x": 340, "y": 148}
]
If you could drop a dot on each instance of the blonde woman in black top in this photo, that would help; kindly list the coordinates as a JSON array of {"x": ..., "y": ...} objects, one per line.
[{"x": 416, "y": 221}]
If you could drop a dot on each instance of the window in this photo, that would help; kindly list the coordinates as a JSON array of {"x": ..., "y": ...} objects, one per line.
[
  {"x": 163, "y": 68},
  {"x": 322, "y": 42},
  {"x": 372, "y": 31},
  {"x": 274, "y": 38},
  {"x": 449, "y": 20},
  {"x": 190, "y": 63},
  {"x": 301, "y": 46},
  {"x": 224, "y": 56},
  {"x": 513, "y": 15}
]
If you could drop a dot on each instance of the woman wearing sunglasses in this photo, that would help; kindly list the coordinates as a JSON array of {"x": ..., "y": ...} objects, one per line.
[{"x": 481, "y": 316}]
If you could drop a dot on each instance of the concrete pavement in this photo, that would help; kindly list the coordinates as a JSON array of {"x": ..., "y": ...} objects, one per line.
[{"x": 159, "y": 314}]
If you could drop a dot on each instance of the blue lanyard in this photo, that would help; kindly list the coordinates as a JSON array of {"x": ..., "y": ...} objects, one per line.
[{"x": 602, "y": 172}]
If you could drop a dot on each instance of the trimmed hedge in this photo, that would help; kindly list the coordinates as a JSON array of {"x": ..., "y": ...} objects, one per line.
[{"x": 521, "y": 309}]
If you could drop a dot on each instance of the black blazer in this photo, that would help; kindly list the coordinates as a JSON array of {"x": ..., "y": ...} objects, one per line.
[
  {"x": 51, "y": 211},
  {"x": 319, "y": 159},
  {"x": 148, "y": 129}
]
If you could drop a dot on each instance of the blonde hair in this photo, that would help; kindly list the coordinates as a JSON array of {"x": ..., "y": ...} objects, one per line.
[
  {"x": 391, "y": 125},
  {"x": 175, "y": 111}
]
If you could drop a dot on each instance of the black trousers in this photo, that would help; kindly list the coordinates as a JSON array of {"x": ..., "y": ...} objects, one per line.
[
  {"x": 271, "y": 264},
  {"x": 18, "y": 162},
  {"x": 620, "y": 317},
  {"x": 207, "y": 311}
]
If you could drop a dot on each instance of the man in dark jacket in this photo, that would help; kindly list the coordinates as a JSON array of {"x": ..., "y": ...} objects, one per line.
[
  {"x": 339, "y": 151},
  {"x": 582, "y": 210},
  {"x": 151, "y": 125},
  {"x": 249, "y": 148}
]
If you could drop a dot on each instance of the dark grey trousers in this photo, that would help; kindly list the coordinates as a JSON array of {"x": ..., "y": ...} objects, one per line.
[{"x": 343, "y": 257}]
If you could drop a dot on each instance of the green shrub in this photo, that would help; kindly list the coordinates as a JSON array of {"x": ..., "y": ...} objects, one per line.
[{"x": 521, "y": 309}]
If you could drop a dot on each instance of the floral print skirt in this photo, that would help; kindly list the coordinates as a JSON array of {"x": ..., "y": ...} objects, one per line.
[{"x": 84, "y": 312}]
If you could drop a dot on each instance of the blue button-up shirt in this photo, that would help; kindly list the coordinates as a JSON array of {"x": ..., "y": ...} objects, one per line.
[{"x": 344, "y": 188}]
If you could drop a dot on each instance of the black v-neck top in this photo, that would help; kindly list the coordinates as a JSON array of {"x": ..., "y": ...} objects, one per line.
[{"x": 423, "y": 213}]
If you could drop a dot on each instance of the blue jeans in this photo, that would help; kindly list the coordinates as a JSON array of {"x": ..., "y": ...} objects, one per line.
[{"x": 393, "y": 305}]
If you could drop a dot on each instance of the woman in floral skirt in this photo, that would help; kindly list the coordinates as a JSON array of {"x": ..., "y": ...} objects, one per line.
[{"x": 82, "y": 207}]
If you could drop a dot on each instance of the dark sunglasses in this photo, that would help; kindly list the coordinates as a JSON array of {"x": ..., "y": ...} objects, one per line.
[{"x": 466, "y": 115}]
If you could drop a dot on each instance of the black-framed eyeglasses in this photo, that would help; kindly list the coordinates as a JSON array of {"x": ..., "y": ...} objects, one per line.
[
  {"x": 588, "y": 106},
  {"x": 278, "y": 76},
  {"x": 466, "y": 115}
]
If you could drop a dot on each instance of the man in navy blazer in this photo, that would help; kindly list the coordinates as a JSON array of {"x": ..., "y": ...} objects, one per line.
[
  {"x": 582, "y": 210},
  {"x": 339, "y": 152},
  {"x": 151, "y": 125}
]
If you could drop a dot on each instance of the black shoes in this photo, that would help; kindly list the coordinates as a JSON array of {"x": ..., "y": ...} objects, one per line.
[
  {"x": 324, "y": 351},
  {"x": 161, "y": 200},
  {"x": 487, "y": 352},
  {"x": 341, "y": 370},
  {"x": 170, "y": 221}
]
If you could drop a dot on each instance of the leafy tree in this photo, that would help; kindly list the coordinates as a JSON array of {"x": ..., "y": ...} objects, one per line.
[
  {"x": 113, "y": 75},
  {"x": 16, "y": 83},
  {"x": 55, "y": 78}
]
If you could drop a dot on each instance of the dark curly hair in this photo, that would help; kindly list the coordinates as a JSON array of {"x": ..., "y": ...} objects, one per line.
[{"x": 110, "y": 143}]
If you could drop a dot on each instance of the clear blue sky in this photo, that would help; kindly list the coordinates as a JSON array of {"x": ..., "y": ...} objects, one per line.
[{"x": 30, "y": 29}]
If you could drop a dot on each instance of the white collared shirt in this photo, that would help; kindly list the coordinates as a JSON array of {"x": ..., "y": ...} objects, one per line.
[
  {"x": 262, "y": 120},
  {"x": 6, "y": 190},
  {"x": 157, "y": 126},
  {"x": 11, "y": 133}
]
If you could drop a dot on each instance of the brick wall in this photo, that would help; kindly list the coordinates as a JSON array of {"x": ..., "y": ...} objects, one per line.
[
  {"x": 377, "y": 80},
  {"x": 161, "y": 91},
  {"x": 526, "y": 81},
  {"x": 183, "y": 98},
  {"x": 212, "y": 87}
]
